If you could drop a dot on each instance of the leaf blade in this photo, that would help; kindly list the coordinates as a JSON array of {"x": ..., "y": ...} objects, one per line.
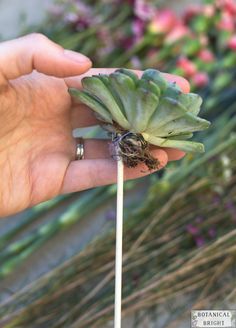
[
  {"x": 96, "y": 87},
  {"x": 188, "y": 146},
  {"x": 91, "y": 102}
]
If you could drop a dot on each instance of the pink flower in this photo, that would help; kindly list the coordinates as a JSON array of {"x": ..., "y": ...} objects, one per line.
[
  {"x": 232, "y": 43},
  {"x": 209, "y": 10},
  {"x": 143, "y": 10},
  {"x": 212, "y": 232},
  {"x": 163, "y": 22},
  {"x": 138, "y": 27},
  {"x": 192, "y": 11},
  {"x": 228, "y": 5},
  {"x": 226, "y": 23},
  {"x": 177, "y": 33},
  {"x": 188, "y": 67},
  {"x": 192, "y": 229},
  {"x": 206, "y": 55},
  {"x": 151, "y": 52},
  {"x": 200, "y": 79},
  {"x": 200, "y": 241},
  {"x": 203, "y": 40},
  {"x": 127, "y": 42},
  {"x": 71, "y": 18}
]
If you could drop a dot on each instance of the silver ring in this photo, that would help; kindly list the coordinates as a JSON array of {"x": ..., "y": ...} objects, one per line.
[{"x": 80, "y": 149}]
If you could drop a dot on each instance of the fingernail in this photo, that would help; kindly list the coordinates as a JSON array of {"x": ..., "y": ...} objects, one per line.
[{"x": 77, "y": 57}]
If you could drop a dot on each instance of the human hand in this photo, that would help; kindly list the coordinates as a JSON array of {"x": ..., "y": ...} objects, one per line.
[{"x": 37, "y": 116}]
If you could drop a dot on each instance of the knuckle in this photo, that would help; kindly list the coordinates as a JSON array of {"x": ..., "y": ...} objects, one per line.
[{"x": 38, "y": 37}]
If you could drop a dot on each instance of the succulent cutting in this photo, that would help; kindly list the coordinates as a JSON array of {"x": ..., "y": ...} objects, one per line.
[{"x": 143, "y": 112}]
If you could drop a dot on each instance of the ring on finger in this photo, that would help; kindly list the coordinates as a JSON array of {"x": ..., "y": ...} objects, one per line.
[{"x": 79, "y": 149}]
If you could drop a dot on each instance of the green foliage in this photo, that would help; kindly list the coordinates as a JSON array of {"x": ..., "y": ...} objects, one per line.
[{"x": 150, "y": 106}]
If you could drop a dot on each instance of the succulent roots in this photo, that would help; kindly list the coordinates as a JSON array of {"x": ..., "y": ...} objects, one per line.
[{"x": 132, "y": 149}]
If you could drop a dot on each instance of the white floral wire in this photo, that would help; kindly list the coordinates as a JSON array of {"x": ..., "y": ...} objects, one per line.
[{"x": 119, "y": 237}]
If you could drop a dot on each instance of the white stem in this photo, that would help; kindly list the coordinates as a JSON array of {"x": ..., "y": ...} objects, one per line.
[{"x": 119, "y": 237}]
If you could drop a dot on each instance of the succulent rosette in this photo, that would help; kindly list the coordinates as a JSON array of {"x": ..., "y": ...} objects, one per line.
[{"x": 144, "y": 111}]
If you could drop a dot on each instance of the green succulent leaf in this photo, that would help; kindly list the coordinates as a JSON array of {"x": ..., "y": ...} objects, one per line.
[
  {"x": 187, "y": 123},
  {"x": 149, "y": 101},
  {"x": 168, "y": 110},
  {"x": 172, "y": 118},
  {"x": 129, "y": 73},
  {"x": 155, "y": 76},
  {"x": 126, "y": 88},
  {"x": 150, "y": 106},
  {"x": 191, "y": 101},
  {"x": 106, "y": 80},
  {"x": 172, "y": 91},
  {"x": 150, "y": 86},
  {"x": 187, "y": 146},
  {"x": 183, "y": 136},
  {"x": 93, "y": 103},
  {"x": 95, "y": 86}
]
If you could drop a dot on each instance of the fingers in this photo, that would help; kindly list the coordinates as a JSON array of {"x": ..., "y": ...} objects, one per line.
[
  {"x": 97, "y": 149},
  {"x": 76, "y": 81},
  {"x": 100, "y": 149},
  {"x": 182, "y": 82},
  {"x": 35, "y": 51},
  {"x": 172, "y": 153},
  {"x": 91, "y": 173}
]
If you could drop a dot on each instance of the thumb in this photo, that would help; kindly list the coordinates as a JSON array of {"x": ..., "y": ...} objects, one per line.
[{"x": 35, "y": 51}]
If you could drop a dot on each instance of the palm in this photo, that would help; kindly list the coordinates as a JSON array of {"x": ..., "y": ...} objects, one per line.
[
  {"x": 39, "y": 141},
  {"x": 37, "y": 150}
]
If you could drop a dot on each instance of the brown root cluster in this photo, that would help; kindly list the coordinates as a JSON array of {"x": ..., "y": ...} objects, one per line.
[{"x": 133, "y": 149}]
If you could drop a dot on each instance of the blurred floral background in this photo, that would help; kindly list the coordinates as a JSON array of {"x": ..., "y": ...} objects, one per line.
[{"x": 180, "y": 227}]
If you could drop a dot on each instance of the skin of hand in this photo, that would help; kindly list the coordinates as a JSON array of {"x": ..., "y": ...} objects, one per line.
[{"x": 37, "y": 116}]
